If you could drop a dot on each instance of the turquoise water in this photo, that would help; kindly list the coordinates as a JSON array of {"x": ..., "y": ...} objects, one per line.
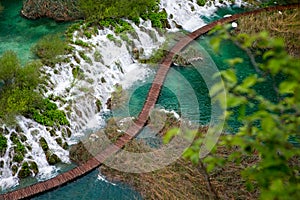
[
  {"x": 89, "y": 187},
  {"x": 184, "y": 91},
  {"x": 19, "y": 34}
]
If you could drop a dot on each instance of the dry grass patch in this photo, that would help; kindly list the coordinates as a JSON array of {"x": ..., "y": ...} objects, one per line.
[{"x": 284, "y": 24}]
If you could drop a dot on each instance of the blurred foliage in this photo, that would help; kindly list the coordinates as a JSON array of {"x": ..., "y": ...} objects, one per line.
[
  {"x": 271, "y": 129},
  {"x": 1, "y": 8}
]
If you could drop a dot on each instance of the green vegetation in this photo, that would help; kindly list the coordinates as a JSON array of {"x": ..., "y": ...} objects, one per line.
[
  {"x": 3, "y": 144},
  {"x": 48, "y": 114},
  {"x": 17, "y": 94},
  {"x": 71, "y": 29},
  {"x": 85, "y": 57},
  {"x": 113, "y": 39},
  {"x": 77, "y": 72},
  {"x": 19, "y": 148},
  {"x": 95, "y": 10},
  {"x": 109, "y": 13},
  {"x": 268, "y": 132},
  {"x": 201, "y": 2},
  {"x": 119, "y": 25},
  {"x": 158, "y": 19},
  {"x": 27, "y": 169},
  {"x": 81, "y": 43},
  {"x": 49, "y": 49},
  {"x": 97, "y": 56}
]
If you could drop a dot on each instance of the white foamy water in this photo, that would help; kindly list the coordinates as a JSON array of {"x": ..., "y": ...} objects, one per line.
[{"x": 110, "y": 63}]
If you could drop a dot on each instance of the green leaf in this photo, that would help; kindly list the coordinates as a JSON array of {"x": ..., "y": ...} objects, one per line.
[
  {"x": 249, "y": 81},
  {"x": 169, "y": 135},
  {"x": 234, "y": 61},
  {"x": 287, "y": 87},
  {"x": 230, "y": 76}
]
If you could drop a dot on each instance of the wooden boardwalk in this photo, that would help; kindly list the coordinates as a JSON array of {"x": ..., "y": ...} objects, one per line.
[{"x": 132, "y": 131}]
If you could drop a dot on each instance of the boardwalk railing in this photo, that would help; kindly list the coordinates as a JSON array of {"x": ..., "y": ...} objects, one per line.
[{"x": 132, "y": 131}]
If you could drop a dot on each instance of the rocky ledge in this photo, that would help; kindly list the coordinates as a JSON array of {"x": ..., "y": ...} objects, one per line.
[{"x": 59, "y": 10}]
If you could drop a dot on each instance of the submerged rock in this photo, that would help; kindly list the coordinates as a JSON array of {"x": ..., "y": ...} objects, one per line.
[{"x": 59, "y": 10}]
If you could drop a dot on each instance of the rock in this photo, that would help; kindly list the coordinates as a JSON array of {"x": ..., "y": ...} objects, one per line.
[
  {"x": 14, "y": 169},
  {"x": 24, "y": 171},
  {"x": 93, "y": 137},
  {"x": 79, "y": 154},
  {"x": 44, "y": 144},
  {"x": 33, "y": 166},
  {"x": 59, "y": 10},
  {"x": 1, "y": 164},
  {"x": 98, "y": 105},
  {"x": 59, "y": 141},
  {"x": 136, "y": 53},
  {"x": 65, "y": 146},
  {"x": 52, "y": 133},
  {"x": 69, "y": 132},
  {"x": 52, "y": 158},
  {"x": 108, "y": 103}
]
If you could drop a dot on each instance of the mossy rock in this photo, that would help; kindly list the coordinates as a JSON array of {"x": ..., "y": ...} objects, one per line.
[
  {"x": 65, "y": 146},
  {"x": 14, "y": 138},
  {"x": 33, "y": 166},
  {"x": 14, "y": 169},
  {"x": 20, "y": 148},
  {"x": 44, "y": 144},
  {"x": 69, "y": 132},
  {"x": 97, "y": 56},
  {"x": 1, "y": 164},
  {"x": 52, "y": 158},
  {"x": 99, "y": 105},
  {"x": 24, "y": 171},
  {"x": 23, "y": 138},
  {"x": 18, "y": 157},
  {"x": 3, "y": 145},
  {"x": 103, "y": 80},
  {"x": 29, "y": 148},
  {"x": 59, "y": 141}
]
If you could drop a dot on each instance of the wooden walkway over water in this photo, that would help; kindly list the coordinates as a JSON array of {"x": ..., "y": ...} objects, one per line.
[{"x": 152, "y": 97}]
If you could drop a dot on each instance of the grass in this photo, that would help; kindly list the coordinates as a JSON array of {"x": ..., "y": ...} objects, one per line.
[
  {"x": 184, "y": 180},
  {"x": 284, "y": 24},
  {"x": 179, "y": 180}
]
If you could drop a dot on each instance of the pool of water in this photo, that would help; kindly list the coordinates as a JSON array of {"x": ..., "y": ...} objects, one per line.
[
  {"x": 20, "y": 34},
  {"x": 89, "y": 187}
]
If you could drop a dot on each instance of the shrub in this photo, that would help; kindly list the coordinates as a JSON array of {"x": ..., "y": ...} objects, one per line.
[
  {"x": 48, "y": 49},
  {"x": 48, "y": 114}
]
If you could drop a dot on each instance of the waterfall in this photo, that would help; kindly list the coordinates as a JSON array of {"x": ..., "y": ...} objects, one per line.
[{"x": 106, "y": 63}]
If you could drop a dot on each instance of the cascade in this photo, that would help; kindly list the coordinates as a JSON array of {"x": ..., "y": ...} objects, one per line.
[{"x": 104, "y": 64}]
